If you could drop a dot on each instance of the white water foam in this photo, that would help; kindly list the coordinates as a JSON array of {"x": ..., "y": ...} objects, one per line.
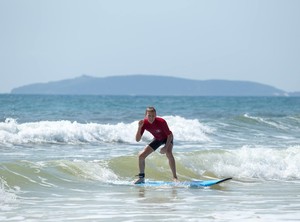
[
  {"x": 67, "y": 132},
  {"x": 7, "y": 195},
  {"x": 91, "y": 170},
  {"x": 247, "y": 163},
  {"x": 267, "y": 122}
]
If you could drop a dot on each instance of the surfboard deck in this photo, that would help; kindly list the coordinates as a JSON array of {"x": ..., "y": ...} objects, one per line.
[{"x": 189, "y": 184}]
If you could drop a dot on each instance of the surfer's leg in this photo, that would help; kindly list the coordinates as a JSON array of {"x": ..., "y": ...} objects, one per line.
[
  {"x": 171, "y": 159},
  {"x": 142, "y": 156}
]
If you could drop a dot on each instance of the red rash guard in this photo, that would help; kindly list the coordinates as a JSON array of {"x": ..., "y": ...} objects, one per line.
[{"x": 159, "y": 128}]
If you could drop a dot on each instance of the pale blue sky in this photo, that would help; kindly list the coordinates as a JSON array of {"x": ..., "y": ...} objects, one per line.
[{"x": 49, "y": 40}]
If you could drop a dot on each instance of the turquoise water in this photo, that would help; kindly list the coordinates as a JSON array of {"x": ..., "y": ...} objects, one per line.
[{"x": 73, "y": 158}]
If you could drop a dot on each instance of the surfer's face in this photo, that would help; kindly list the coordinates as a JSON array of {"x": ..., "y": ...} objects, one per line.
[{"x": 151, "y": 116}]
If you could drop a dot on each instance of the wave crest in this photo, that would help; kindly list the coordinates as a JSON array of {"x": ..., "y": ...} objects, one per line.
[{"x": 67, "y": 132}]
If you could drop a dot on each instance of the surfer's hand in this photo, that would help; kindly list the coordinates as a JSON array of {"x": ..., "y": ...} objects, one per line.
[
  {"x": 163, "y": 150},
  {"x": 141, "y": 123}
]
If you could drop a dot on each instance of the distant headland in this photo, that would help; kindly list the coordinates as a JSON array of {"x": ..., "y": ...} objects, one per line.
[{"x": 150, "y": 85}]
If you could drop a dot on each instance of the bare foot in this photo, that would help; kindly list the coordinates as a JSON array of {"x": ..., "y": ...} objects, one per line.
[{"x": 175, "y": 180}]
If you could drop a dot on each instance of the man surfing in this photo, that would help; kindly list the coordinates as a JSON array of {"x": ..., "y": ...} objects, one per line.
[{"x": 159, "y": 128}]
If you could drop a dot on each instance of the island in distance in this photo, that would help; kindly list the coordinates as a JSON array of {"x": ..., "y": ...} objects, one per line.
[{"x": 149, "y": 85}]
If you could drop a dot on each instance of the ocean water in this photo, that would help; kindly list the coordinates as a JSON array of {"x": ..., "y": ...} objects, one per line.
[{"x": 73, "y": 158}]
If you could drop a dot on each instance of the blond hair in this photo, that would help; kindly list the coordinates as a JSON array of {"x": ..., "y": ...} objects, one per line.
[{"x": 150, "y": 109}]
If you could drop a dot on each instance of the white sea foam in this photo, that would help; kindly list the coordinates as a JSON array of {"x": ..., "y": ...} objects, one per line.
[
  {"x": 7, "y": 195},
  {"x": 12, "y": 132},
  {"x": 267, "y": 122},
  {"x": 93, "y": 170},
  {"x": 247, "y": 163}
]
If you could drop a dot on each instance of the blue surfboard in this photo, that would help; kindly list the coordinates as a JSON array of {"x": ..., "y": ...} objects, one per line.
[{"x": 189, "y": 184}]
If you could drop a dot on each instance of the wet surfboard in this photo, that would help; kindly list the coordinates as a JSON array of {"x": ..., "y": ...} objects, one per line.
[{"x": 190, "y": 184}]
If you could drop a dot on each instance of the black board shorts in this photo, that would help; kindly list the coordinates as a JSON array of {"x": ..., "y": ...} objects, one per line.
[{"x": 154, "y": 144}]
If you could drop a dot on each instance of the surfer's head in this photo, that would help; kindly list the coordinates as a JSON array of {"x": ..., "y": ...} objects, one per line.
[{"x": 150, "y": 114}]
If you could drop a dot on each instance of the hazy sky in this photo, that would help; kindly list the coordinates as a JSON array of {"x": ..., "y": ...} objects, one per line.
[{"x": 49, "y": 40}]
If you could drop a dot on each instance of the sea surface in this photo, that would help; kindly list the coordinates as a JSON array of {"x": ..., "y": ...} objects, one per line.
[{"x": 73, "y": 158}]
